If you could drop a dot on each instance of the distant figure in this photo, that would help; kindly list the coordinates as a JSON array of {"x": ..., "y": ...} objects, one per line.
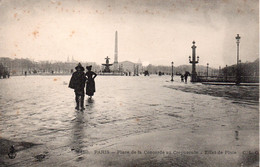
[
  {"x": 77, "y": 82},
  {"x": 186, "y": 76},
  {"x": 25, "y": 73},
  {"x": 12, "y": 152},
  {"x": 90, "y": 88},
  {"x": 146, "y": 73},
  {"x": 182, "y": 77}
]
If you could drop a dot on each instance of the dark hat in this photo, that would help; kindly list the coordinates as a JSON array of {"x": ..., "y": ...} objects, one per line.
[
  {"x": 89, "y": 67},
  {"x": 80, "y": 67}
]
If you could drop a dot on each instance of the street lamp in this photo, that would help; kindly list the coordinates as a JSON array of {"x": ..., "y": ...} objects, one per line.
[
  {"x": 172, "y": 71},
  {"x": 137, "y": 70},
  {"x": 226, "y": 73},
  {"x": 134, "y": 70},
  {"x": 193, "y": 61},
  {"x": 207, "y": 70},
  {"x": 238, "y": 74}
]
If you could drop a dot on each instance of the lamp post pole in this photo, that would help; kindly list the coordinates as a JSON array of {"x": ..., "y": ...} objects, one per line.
[
  {"x": 172, "y": 71},
  {"x": 226, "y": 73},
  {"x": 193, "y": 61},
  {"x": 238, "y": 77},
  {"x": 137, "y": 71},
  {"x": 134, "y": 70},
  {"x": 207, "y": 70}
]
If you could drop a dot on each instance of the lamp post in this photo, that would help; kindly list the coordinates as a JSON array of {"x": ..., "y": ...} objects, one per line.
[
  {"x": 172, "y": 71},
  {"x": 134, "y": 70},
  {"x": 238, "y": 77},
  {"x": 226, "y": 73},
  {"x": 137, "y": 70},
  {"x": 193, "y": 62},
  {"x": 207, "y": 70}
]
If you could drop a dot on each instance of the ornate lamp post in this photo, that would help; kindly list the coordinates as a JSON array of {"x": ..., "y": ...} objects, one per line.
[
  {"x": 193, "y": 62},
  {"x": 238, "y": 77},
  {"x": 172, "y": 71}
]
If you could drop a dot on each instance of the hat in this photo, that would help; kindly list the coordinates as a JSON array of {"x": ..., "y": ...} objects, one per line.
[
  {"x": 89, "y": 67},
  {"x": 80, "y": 67}
]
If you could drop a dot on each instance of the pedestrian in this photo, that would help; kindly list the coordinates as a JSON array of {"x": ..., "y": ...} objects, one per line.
[
  {"x": 186, "y": 76},
  {"x": 182, "y": 77},
  {"x": 90, "y": 88},
  {"x": 77, "y": 82}
]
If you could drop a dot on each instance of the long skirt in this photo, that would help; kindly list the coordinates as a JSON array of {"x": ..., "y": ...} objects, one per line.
[{"x": 90, "y": 88}]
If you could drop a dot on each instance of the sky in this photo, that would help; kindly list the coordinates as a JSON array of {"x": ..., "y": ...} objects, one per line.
[{"x": 153, "y": 31}]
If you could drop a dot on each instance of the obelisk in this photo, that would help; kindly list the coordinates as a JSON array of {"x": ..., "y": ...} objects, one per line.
[{"x": 116, "y": 55}]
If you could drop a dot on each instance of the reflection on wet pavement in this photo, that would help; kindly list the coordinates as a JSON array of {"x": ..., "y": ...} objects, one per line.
[{"x": 78, "y": 132}]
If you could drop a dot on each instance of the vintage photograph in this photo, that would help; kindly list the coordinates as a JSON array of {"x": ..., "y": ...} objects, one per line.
[{"x": 129, "y": 83}]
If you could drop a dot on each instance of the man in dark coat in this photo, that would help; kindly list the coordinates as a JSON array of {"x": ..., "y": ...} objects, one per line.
[
  {"x": 77, "y": 82},
  {"x": 186, "y": 76},
  {"x": 182, "y": 77}
]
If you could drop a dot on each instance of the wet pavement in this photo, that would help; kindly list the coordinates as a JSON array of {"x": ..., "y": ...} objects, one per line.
[{"x": 132, "y": 121}]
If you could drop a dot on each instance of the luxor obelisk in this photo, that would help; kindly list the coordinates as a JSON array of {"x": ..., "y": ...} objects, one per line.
[{"x": 116, "y": 67}]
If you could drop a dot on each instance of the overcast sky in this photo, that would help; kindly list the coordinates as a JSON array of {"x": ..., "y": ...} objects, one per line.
[{"x": 154, "y": 31}]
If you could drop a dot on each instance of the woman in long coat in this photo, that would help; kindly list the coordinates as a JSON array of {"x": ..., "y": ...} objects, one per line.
[{"x": 90, "y": 88}]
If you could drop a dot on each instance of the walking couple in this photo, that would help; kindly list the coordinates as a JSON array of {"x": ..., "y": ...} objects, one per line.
[{"x": 77, "y": 82}]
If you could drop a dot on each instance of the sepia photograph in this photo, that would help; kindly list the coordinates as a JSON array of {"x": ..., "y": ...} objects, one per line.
[{"x": 129, "y": 83}]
